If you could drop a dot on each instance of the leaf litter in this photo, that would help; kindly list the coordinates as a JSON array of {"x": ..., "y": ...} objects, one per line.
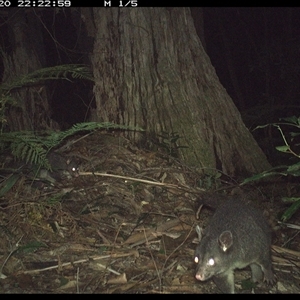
[{"x": 125, "y": 225}]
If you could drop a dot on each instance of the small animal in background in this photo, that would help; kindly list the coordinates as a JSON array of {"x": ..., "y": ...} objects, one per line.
[
  {"x": 61, "y": 167},
  {"x": 236, "y": 237}
]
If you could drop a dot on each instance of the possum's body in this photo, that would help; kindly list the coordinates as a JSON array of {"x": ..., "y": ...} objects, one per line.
[
  {"x": 237, "y": 236},
  {"x": 60, "y": 167}
]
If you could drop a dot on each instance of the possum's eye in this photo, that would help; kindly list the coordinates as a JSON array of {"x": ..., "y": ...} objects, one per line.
[
  {"x": 211, "y": 262},
  {"x": 196, "y": 259}
]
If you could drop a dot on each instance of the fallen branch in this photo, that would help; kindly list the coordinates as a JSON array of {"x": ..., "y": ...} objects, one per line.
[
  {"x": 169, "y": 185},
  {"x": 80, "y": 262}
]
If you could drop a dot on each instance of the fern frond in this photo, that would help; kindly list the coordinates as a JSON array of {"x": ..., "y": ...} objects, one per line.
[
  {"x": 33, "y": 148},
  {"x": 52, "y": 73},
  {"x": 65, "y": 72},
  {"x": 26, "y": 146},
  {"x": 54, "y": 139}
]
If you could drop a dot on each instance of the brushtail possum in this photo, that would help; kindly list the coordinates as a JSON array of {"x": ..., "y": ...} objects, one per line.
[{"x": 236, "y": 237}]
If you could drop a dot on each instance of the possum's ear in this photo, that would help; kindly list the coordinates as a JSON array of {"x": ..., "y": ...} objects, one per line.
[
  {"x": 225, "y": 240},
  {"x": 199, "y": 232}
]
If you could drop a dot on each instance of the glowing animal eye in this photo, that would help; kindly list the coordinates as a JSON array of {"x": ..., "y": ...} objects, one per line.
[
  {"x": 196, "y": 259},
  {"x": 211, "y": 262}
]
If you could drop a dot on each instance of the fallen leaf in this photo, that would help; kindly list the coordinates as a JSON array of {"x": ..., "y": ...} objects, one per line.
[{"x": 118, "y": 280}]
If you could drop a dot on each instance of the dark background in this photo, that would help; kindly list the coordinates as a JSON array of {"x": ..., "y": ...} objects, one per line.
[
  {"x": 255, "y": 52},
  {"x": 262, "y": 47}
]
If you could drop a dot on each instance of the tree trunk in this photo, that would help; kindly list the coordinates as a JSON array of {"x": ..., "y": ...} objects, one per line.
[
  {"x": 151, "y": 71},
  {"x": 30, "y": 111}
]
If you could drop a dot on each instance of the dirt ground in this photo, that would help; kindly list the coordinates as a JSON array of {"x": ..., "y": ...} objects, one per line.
[{"x": 126, "y": 225}]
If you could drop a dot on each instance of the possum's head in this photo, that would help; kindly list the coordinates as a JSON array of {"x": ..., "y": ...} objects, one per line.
[
  {"x": 212, "y": 255},
  {"x": 72, "y": 168}
]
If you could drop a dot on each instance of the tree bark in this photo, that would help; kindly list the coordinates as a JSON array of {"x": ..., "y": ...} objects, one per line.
[
  {"x": 151, "y": 71},
  {"x": 31, "y": 109}
]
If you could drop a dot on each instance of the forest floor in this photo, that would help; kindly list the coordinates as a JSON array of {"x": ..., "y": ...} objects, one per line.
[{"x": 127, "y": 225}]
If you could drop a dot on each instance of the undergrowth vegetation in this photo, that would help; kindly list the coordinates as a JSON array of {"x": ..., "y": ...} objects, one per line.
[{"x": 289, "y": 129}]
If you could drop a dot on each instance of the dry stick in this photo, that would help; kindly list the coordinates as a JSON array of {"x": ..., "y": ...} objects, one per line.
[
  {"x": 192, "y": 227},
  {"x": 78, "y": 262},
  {"x": 198, "y": 212},
  {"x": 104, "y": 267},
  {"x": 132, "y": 179},
  {"x": 154, "y": 262},
  {"x": 284, "y": 258},
  {"x": 171, "y": 265},
  {"x": 108, "y": 269},
  {"x": 151, "y": 235},
  {"x": 105, "y": 240},
  {"x": 16, "y": 247},
  {"x": 280, "y": 250},
  {"x": 77, "y": 280},
  {"x": 60, "y": 265},
  {"x": 70, "y": 143}
]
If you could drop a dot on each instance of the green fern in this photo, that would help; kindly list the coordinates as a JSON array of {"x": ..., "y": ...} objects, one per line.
[
  {"x": 65, "y": 72},
  {"x": 33, "y": 148},
  {"x": 284, "y": 170},
  {"x": 51, "y": 73}
]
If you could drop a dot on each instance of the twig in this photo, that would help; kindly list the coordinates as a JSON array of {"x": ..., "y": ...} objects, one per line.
[
  {"x": 132, "y": 179},
  {"x": 77, "y": 262},
  {"x": 77, "y": 281},
  {"x": 72, "y": 142},
  {"x": 289, "y": 225},
  {"x": 9, "y": 255},
  {"x": 154, "y": 262},
  {"x": 184, "y": 241},
  {"x": 108, "y": 269}
]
